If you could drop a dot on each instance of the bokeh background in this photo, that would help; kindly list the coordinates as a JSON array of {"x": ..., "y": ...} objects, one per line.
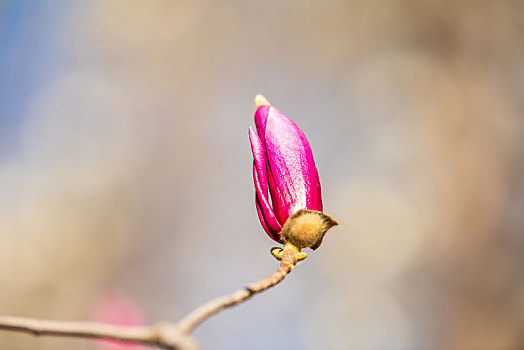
[{"x": 125, "y": 168}]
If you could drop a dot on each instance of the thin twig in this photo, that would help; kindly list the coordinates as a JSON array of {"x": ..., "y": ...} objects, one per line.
[
  {"x": 202, "y": 313},
  {"x": 166, "y": 335},
  {"x": 76, "y": 329}
]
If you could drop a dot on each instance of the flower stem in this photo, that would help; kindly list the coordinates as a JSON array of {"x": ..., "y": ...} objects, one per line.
[{"x": 199, "y": 315}]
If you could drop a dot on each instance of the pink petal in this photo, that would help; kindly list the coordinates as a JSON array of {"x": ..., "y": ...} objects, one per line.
[
  {"x": 274, "y": 235},
  {"x": 293, "y": 176},
  {"x": 266, "y": 215},
  {"x": 261, "y": 121},
  {"x": 270, "y": 220},
  {"x": 259, "y": 156}
]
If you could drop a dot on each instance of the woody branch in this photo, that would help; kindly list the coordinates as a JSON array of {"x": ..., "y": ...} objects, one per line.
[{"x": 165, "y": 335}]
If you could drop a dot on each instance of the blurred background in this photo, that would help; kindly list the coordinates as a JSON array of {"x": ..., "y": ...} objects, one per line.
[{"x": 125, "y": 168}]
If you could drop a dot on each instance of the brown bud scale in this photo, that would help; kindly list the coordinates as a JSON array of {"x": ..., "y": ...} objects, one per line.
[{"x": 306, "y": 228}]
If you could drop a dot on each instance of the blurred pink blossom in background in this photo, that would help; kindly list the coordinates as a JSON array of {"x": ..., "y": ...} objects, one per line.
[{"x": 118, "y": 309}]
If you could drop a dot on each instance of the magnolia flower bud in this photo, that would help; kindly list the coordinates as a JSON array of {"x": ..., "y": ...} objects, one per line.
[{"x": 284, "y": 165}]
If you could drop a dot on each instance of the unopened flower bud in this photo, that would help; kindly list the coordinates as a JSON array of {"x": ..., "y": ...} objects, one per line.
[{"x": 284, "y": 165}]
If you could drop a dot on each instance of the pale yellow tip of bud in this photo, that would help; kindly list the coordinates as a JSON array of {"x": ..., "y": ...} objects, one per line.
[{"x": 261, "y": 100}]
